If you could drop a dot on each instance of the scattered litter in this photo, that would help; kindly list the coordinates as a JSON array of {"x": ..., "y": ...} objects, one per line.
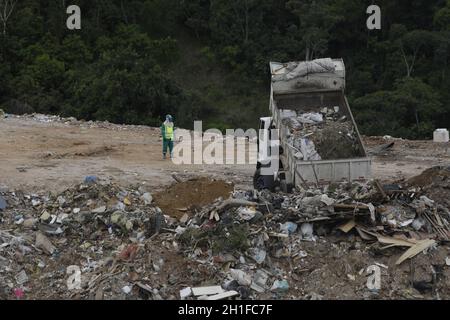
[
  {"x": 18, "y": 293},
  {"x": 289, "y": 227},
  {"x": 280, "y": 286},
  {"x": 126, "y": 289},
  {"x": 246, "y": 240},
  {"x": 186, "y": 292},
  {"x": 147, "y": 197},
  {"x": 90, "y": 179},
  {"x": 241, "y": 277},
  {"x": 43, "y": 243},
  {"x": 21, "y": 278},
  {"x": 259, "y": 255},
  {"x": 246, "y": 213},
  {"x": 307, "y": 230},
  {"x": 2, "y": 203},
  {"x": 99, "y": 209}
]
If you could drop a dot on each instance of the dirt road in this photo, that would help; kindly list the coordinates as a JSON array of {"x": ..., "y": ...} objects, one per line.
[
  {"x": 38, "y": 154},
  {"x": 41, "y": 155}
]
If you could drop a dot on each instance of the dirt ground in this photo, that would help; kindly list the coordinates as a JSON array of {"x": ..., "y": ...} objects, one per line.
[
  {"x": 406, "y": 158},
  {"x": 52, "y": 156},
  {"x": 191, "y": 195},
  {"x": 40, "y": 156}
]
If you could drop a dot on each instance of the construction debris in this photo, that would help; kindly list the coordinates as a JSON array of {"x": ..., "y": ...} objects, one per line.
[
  {"x": 312, "y": 134},
  {"x": 246, "y": 245}
]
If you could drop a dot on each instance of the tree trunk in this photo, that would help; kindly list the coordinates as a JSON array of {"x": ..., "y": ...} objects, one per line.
[
  {"x": 246, "y": 22},
  {"x": 123, "y": 12},
  {"x": 416, "y": 114}
]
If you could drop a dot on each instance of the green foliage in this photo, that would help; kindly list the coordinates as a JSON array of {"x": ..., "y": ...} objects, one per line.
[
  {"x": 135, "y": 61},
  {"x": 220, "y": 239},
  {"x": 407, "y": 111}
]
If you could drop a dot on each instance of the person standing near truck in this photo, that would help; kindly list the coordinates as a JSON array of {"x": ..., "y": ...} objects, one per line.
[{"x": 167, "y": 133}]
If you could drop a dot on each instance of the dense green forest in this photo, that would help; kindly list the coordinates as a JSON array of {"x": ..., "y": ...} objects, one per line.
[{"x": 134, "y": 61}]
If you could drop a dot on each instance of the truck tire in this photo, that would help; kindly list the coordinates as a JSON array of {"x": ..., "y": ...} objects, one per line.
[
  {"x": 286, "y": 187},
  {"x": 261, "y": 182}
]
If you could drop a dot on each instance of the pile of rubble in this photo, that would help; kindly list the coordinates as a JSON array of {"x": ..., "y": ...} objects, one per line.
[
  {"x": 43, "y": 118},
  {"x": 87, "y": 221},
  {"x": 310, "y": 244},
  {"x": 323, "y": 135},
  {"x": 254, "y": 231}
]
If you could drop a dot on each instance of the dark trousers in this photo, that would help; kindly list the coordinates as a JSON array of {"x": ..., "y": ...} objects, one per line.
[{"x": 167, "y": 143}]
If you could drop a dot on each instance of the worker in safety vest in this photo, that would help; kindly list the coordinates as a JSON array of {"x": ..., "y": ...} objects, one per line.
[{"x": 167, "y": 130}]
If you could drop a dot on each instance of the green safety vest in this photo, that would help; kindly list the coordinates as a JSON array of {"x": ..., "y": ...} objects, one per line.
[{"x": 168, "y": 132}]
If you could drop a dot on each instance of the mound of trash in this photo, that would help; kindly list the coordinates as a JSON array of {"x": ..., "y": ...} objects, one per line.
[
  {"x": 260, "y": 238},
  {"x": 324, "y": 135},
  {"x": 317, "y": 243},
  {"x": 44, "y": 118}
]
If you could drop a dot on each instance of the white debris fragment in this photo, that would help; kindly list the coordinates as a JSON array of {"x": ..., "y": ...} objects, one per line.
[
  {"x": 201, "y": 291},
  {"x": 185, "y": 292}
]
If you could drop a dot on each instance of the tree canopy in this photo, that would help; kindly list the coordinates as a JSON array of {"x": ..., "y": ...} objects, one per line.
[{"x": 134, "y": 61}]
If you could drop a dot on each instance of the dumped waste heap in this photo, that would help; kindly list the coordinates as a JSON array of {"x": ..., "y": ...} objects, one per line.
[
  {"x": 44, "y": 118},
  {"x": 263, "y": 227},
  {"x": 323, "y": 135},
  {"x": 313, "y": 244}
]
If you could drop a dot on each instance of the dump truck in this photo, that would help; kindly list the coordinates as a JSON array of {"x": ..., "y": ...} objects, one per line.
[{"x": 311, "y": 136}]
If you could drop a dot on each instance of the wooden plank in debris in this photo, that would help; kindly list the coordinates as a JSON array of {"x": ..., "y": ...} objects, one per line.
[
  {"x": 363, "y": 234},
  {"x": 223, "y": 295},
  {"x": 234, "y": 203},
  {"x": 390, "y": 241},
  {"x": 176, "y": 178},
  {"x": 346, "y": 227},
  {"x": 201, "y": 291},
  {"x": 415, "y": 250},
  {"x": 381, "y": 148},
  {"x": 396, "y": 242},
  {"x": 380, "y": 189},
  {"x": 278, "y": 235},
  {"x": 351, "y": 206}
]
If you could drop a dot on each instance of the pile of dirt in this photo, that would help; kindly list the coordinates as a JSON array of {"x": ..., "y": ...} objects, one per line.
[
  {"x": 436, "y": 175},
  {"x": 435, "y": 183},
  {"x": 190, "y": 195}
]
